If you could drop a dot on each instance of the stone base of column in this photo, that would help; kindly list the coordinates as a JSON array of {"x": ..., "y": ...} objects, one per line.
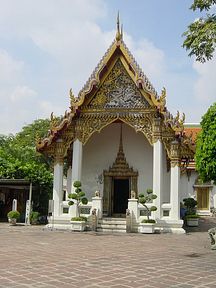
[{"x": 170, "y": 226}]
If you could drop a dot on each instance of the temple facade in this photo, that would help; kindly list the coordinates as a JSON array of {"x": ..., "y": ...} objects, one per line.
[{"x": 119, "y": 139}]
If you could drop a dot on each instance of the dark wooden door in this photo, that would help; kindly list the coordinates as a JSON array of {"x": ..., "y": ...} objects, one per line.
[{"x": 120, "y": 196}]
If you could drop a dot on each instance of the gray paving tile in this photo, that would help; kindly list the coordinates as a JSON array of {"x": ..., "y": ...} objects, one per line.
[{"x": 48, "y": 259}]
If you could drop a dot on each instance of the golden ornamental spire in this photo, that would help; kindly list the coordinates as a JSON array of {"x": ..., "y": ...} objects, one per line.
[
  {"x": 120, "y": 142},
  {"x": 122, "y": 31},
  {"x": 118, "y": 33}
]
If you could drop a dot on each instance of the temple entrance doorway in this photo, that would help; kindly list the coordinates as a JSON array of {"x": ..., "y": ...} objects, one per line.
[{"x": 121, "y": 188}]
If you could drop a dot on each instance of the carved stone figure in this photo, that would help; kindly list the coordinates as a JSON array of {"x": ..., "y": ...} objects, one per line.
[
  {"x": 94, "y": 211},
  {"x": 97, "y": 194},
  {"x": 212, "y": 235},
  {"x": 133, "y": 194},
  {"x": 94, "y": 219},
  {"x": 128, "y": 212}
]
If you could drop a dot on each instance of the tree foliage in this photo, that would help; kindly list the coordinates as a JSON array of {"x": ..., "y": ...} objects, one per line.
[
  {"x": 206, "y": 146},
  {"x": 201, "y": 34},
  {"x": 143, "y": 199},
  {"x": 78, "y": 196},
  {"x": 19, "y": 159}
]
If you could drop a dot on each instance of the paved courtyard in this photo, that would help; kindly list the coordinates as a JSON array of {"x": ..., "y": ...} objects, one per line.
[{"x": 33, "y": 257}]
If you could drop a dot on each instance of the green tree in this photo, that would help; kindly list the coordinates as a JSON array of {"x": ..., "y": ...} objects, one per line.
[
  {"x": 201, "y": 34},
  {"x": 19, "y": 160},
  {"x": 205, "y": 156}
]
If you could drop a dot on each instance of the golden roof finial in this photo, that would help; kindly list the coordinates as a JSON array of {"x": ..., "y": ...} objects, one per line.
[
  {"x": 118, "y": 34},
  {"x": 120, "y": 142},
  {"x": 122, "y": 31}
]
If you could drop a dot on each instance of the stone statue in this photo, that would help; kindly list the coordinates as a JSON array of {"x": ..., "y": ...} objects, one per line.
[
  {"x": 97, "y": 193},
  {"x": 212, "y": 235},
  {"x": 133, "y": 194},
  {"x": 127, "y": 212},
  {"x": 94, "y": 219},
  {"x": 94, "y": 211}
]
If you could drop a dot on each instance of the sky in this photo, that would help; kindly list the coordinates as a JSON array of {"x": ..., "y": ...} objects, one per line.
[{"x": 50, "y": 46}]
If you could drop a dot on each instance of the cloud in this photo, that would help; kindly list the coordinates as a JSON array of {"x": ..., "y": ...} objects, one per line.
[
  {"x": 46, "y": 107},
  {"x": 59, "y": 34},
  {"x": 150, "y": 58},
  {"x": 10, "y": 68},
  {"x": 22, "y": 93},
  {"x": 61, "y": 43},
  {"x": 205, "y": 85}
]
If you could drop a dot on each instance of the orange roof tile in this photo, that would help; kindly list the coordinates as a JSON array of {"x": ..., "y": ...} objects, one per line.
[{"x": 192, "y": 131}]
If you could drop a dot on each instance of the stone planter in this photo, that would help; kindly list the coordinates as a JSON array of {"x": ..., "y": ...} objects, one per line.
[
  {"x": 146, "y": 228},
  {"x": 78, "y": 226},
  {"x": 12, "y": 221},
  {"x": 192, "y": 222}
]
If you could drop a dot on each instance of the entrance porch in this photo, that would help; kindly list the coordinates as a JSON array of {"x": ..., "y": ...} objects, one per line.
[{"x": 133, "y": 166}]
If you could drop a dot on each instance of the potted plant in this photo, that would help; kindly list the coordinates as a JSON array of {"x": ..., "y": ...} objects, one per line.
[
  {"x": 34, "y": 217},
  {"x": 191, "y": 218},
  {"x": 13, "y": 216},
  {"x": 77, "y": 198},
  {"x": 147, "y": 225}
]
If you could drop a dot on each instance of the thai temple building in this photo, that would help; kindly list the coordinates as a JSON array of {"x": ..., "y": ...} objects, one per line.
[{"x": 119, "y": 139}]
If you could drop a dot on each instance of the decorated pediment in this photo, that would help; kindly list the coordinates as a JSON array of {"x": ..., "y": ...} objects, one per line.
[{"x": 118, "y": 91}]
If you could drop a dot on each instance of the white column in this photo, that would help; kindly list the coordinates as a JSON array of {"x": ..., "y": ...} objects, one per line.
[
  {"x": 174, "y": 191},
  {"x": 77, "y": 161},
  {"x": 76, "y": 170},
  {"x": 157, "y": 176},
  {"x": 57, "y": 187},
  {"x": 69, "y": 181}
]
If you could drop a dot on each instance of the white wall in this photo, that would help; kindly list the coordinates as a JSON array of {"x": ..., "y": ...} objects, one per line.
[
  {"x": 186, "y": 185},
  {"x": 101, "y": 150},
  {"x": 187, "y": 190},
  {"x": 213, "y": 197}
]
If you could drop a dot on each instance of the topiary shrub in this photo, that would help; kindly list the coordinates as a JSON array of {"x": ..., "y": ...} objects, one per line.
[
  {"x": 148, "y": 221},
  {"x": 80, "y": 218},
  {"x": 34, "y": 217},
  {"x": 143, "y": 199},
  {"x": 80, "y": 198},
  {"x": 190, "y": 204},
  {"x": 14, "y": 214}
]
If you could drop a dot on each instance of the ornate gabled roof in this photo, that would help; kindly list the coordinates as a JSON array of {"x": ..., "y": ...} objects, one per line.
[
  {"x": 142, "y": 77},
  {"x": 56, "y": 128},
  {"x": 118, "y": 46},
  {"x": 118, "y": 43},
  {"x": 94, "y": 78},
  {"x": 119, "y": 67}
]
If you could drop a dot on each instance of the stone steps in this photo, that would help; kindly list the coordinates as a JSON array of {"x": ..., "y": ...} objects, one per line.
[{"x": 112, "y": 225}]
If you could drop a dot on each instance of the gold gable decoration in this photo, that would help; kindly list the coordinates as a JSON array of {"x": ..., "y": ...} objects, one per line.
[{"x": 118, "y": 91}]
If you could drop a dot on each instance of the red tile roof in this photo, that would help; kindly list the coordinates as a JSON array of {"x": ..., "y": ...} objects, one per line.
[{"x": 193, "y": 131}]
